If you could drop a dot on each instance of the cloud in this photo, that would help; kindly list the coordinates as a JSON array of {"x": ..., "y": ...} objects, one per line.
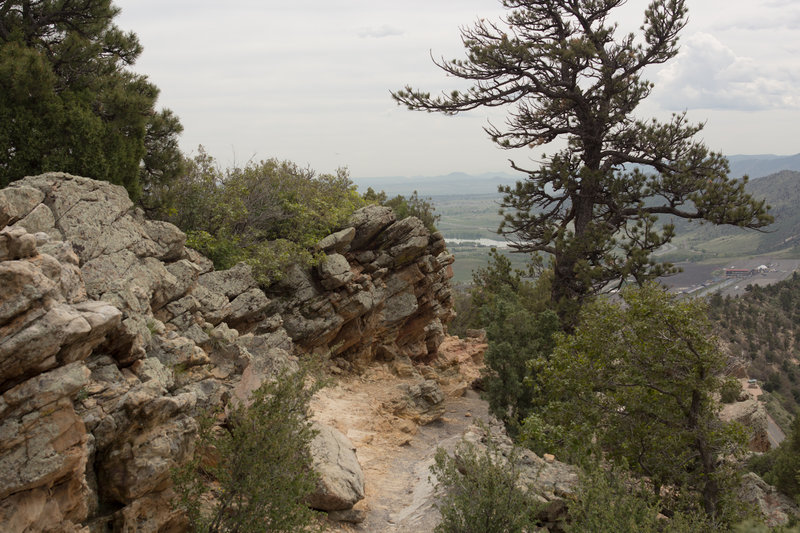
[
  {"x": 709, "y": 75},
  {"x": 379, "y": 32}
]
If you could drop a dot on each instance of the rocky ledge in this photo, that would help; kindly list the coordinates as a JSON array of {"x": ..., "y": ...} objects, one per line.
[{"x": 114, "y": 336}]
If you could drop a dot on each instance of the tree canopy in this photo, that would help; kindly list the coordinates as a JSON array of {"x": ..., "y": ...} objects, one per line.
[
  {"x": 69, "y": 103},
  {"x": 638, "y": 380},
  {"x": 564, "y": 71}
]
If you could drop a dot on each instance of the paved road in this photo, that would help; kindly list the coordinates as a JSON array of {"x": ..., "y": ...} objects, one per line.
[{"x": 774, "y": 433}]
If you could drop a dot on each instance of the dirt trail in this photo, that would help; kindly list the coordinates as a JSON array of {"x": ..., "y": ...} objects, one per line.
[{"x": 396, "y": 453}]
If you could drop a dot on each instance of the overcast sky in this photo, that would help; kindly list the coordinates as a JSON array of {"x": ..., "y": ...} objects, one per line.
[{"x": 309, "y": 80}]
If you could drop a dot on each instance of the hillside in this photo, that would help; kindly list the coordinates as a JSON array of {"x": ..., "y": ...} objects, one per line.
[
  {"x": 702, "y": 241},
  {"x": 761, "y": 331}
]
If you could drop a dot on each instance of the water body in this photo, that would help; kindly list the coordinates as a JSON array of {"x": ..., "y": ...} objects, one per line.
[{"x": 478, "y": 242}]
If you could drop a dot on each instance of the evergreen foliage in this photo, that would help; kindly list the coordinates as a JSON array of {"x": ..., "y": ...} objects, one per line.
[
  {"x": 513, "y": 309},
  {"x": 479, "y": 492},
  {"x": 609, "y": 500},
  {"x": 760, "y": 329},
  {"x": 269, "y": 214},
  {"x": 781, "y": 467},
  {"x": 69, "y": 103},
  {"x": 634, "y": 385},
  {"x": 563, "y": 72},
  {"x": 254, "y": 473}
]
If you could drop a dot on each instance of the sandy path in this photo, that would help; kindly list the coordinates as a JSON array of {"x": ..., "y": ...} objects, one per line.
[{"x": 395, "y": 453}]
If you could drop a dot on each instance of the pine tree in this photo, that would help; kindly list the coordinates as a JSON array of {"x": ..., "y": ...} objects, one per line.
[
  {"x": 69, "y": 103},
  {"x": 564, "y": 71}
]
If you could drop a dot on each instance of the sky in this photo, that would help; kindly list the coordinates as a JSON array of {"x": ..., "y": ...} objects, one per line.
[{"x": 310, "y": 80}]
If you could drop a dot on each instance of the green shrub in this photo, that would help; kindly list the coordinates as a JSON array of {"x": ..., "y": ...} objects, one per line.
[
  {"x": 608, "y": 500},
  {"x": 253, "y": 474},
  {"x": 479, "y": 492},
  {"x": 269, "y": 214},
  {"x": 730, "y": 391}
]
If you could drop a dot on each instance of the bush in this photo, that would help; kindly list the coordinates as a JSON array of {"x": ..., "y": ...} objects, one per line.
[
  {"x": 730, "y": 391},
  {"x": 403, "y": 207},
  {"x": 479, "y": 492},
  {"x": 608, "y": 500},
  {"x": 253, "y": 474},
  {"x": 269, "y": 214}
]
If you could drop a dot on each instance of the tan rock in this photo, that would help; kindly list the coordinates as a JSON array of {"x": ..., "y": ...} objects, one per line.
[{"x": 341, "y": 480}]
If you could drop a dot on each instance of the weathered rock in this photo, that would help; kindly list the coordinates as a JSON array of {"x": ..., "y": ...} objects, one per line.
[
  {"x": 341, "y": 480},
  {"x": 231, "y": 282},
  {"x": 247, "y": 309},
  {"x": 351, "y": 516},
  {"x": 422, "y": 402},
  {"x": 405, "y": 240},
  {"x": 16, "y": 243},
  {"x": 338, "y": 242},
  {"x": 550, "y": 480},
  {"x": 776, "y": 508},
  {"x": 368, "y": 222},
  {"x": 43, "y": 452},
  {"x": 753, "y": 416},
  {"x": 113, "y": 335},
  {"x": 17, "y": 202},
  {"x": 41, "y": 219},
  {"x": 334, "y": 271}
]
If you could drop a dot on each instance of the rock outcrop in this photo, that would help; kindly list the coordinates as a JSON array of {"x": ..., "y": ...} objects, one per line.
[
  {"x": 776, "y": 508},
  {"x": 749, "y": 412},
  {"x": 382, "y": 291},
  {"x": 114, "y": 336}
]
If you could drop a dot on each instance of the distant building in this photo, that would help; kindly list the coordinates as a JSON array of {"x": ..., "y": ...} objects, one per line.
[{"x": 737, "y": 272}]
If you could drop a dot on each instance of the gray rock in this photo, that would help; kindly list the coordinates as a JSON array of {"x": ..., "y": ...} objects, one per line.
[
  {"x": 41, "y": 219},
  {"x": 776, "y": 508},
  {"x": 334, "y": 271},
  {"x": 248, "y": 308},
  {"x": 16, "y": 202},
  {"x": 231, "y": 282},
  {"x": 368, "y": 222},
  {"x": 399, "y": 307},
  {"x": 186, "y": 274},
  {"x": 338, "y": 242},
  {"x": 16, "y": 243},
  {"x": 341, "y": 480},
  {"x": 350, "y": 516},
  {"x": 422, "y": 402}
]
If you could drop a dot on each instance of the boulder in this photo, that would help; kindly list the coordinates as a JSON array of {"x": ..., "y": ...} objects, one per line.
[
  {"x": 368, "y": 222},
  {"x": 338, "y": 242},
  {"x": 422, "y": 402},
  {"x": 232, "y": 282},
  {"x": 341, "y": 480},
  {"x": 334, "y": 271},
  {"x": 17, "y": 202}
]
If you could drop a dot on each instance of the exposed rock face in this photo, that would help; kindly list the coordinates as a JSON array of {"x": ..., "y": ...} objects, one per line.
[
  {"x": 113, "y": 336},
  {"x": 551, "y": 480},
  {"x": 751, "y": 413},
  {"x": 776, "y": 508},
  {"x": 382, "y": 292}
]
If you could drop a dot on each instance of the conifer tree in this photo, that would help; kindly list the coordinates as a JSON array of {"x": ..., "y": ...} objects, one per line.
[
  {"x": 563, "y": 70},
  {"x": 68, "y": 101}
]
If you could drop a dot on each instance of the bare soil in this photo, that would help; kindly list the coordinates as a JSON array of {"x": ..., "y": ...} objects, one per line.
[{"x": 396, "y": 453}]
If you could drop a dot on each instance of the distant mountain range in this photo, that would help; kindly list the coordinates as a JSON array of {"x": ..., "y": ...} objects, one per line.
[
  {"x": 455, "y": 183},
  {"x": 461, "y": 183},
  {"x": 758, "y": 166}
]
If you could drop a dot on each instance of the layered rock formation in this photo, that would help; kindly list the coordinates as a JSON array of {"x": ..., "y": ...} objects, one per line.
[{"x": 113, "y": 336}]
